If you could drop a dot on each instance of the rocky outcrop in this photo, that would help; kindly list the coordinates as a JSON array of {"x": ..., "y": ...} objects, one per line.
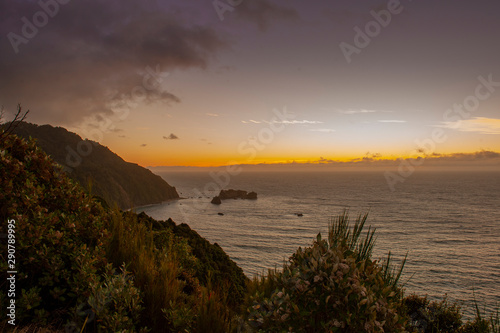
[
  {"x": 216, "y": 200},
  {"x": 251, "y": 196},
  {"x": 233, "y": 194},
  {"x": 237, "y": 194}
]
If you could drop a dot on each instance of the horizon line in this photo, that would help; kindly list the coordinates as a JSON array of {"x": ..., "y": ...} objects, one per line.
[{"x": 477, "y": 158}]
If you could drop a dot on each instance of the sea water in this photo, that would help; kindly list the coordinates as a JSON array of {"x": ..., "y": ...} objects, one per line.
[{"x": 447, "y": 222}]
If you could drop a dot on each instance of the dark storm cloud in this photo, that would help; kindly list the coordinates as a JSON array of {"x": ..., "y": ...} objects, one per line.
[
  {"x": 94, "y": 52},
  {"x": 264, "y": 12}
]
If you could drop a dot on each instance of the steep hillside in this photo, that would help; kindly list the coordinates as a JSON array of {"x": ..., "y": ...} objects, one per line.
[
  {"x": 112, "y": 178},
  {"x": 80, "y": 267}
]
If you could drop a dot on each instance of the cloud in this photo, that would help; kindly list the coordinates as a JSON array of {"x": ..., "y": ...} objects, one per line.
[
  {"x": 477, "y": 156},
  {"x": 144, "y": 145},
  {"x": 212, "y": 114},
  {"x": 356, "y": 111},
  {"x": 363, "y": 111},
  {"x": 251, "y": 121},
  {"x": 296, "y": 122},
  {"x": 94, "y": 53},
  {"x": 262, "y": 12},
  {"x": 323, "y": 130},
  {"x": 286, "y": 122},
  {"x": 375, "y": 155},
  {"x": 322, "y": 160},
  {"x": 479, "y": 124},
  {"x": 172, "y": 136},
  {"x": 480, "y": 158},
  {"x": 205, "y": 140},
  {"x": 392, "y": 121}
]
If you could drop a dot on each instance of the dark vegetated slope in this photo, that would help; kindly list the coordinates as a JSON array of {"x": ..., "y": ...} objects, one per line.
[
  {"x": 82, "y": 265},
  {"x": 214, "y": 265},
  {"x": 112, "y": 178}
]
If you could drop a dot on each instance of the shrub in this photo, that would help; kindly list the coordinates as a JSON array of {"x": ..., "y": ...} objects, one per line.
[
  {"x": 426, "y": 316},
  {"x": 442, "y": 316},
  {"x": 59, "y": 233},
  {"x": 482, "y": 325},
  {"x": 114, "y": 304},
  {"x": 333, "y": 285}
]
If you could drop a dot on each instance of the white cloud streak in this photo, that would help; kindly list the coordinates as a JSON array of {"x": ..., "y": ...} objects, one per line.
[
  {"x": 286, "y": 122},
  {"x": 297, "y": 122},
  {"x": 479, "y": 124},
  {"x": 392, "y": 121},
  {"x": 323, "y": 130},
  {"x": 356, "y": 111}
]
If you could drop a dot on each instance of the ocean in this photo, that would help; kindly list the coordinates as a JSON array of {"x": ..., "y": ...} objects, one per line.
[{"x": 447, "y": 222}]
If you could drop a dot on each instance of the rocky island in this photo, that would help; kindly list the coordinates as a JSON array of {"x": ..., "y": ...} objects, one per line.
[{"x": 233, "y": 194}]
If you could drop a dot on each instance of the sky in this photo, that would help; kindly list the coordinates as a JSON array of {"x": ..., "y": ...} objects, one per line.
[{"x": 211, "y": 83}]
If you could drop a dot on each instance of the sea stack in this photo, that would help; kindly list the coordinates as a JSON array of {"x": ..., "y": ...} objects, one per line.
[
  {"x": 237, "y": 194},
  {"x": 216, "y": 200},
  {"x": 233, "y": 194}
]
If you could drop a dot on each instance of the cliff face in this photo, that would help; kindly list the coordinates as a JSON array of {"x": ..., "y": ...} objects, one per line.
[{"x": 88, "y": 162}]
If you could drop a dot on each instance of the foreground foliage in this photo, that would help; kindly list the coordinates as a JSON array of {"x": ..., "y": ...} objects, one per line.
[
  {"x": 443, "y": 316},
  {"x": 332, "y": 286},
  {"x": 84, "y": 266}
]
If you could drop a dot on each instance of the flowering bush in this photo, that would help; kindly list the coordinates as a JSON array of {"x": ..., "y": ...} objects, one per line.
[
  {"x": 59, "y": 232},
  {"x": 332, "y": 286}
]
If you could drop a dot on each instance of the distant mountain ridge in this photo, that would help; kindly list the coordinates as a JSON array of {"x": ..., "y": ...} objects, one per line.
[{"x": 115, "y": 180}]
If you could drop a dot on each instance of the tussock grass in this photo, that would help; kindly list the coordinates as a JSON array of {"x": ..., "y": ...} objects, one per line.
[{"x": 156, "y": 271}]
